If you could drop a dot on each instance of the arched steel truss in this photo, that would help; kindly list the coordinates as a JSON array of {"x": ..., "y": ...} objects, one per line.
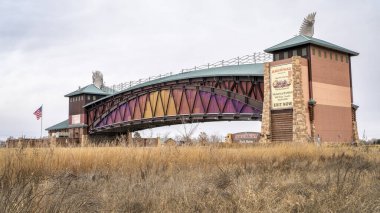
[{"x": 191, "y": 100}]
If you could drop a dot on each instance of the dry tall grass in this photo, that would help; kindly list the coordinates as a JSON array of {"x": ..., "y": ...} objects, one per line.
[{"x": 279, "y": 178}]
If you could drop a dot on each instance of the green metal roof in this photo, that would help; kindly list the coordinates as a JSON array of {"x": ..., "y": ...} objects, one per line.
[
  {"x": 302, "y": 39},
  {"x": 235, "y": 70},
  {"x": 63, "y": 125},
  {"x": 90, "y": 89}
]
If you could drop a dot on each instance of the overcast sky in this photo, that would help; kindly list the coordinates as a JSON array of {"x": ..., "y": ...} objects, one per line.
[{"x": 49, "y": 48}]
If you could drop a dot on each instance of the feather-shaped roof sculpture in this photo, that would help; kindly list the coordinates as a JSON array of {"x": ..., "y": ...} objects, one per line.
[{"x": 307, "y": 27}]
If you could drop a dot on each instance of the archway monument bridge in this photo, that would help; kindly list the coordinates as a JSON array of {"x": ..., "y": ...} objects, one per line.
[{"x": 301, "y": 90}]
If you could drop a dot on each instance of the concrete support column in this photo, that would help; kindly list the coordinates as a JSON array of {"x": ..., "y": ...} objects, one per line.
[
  {"x": 265, "y": 136},
  {"x": 130, "y": 139},
  {"x": 84, "y": 140},
  {"x": 53, "y": 141}
]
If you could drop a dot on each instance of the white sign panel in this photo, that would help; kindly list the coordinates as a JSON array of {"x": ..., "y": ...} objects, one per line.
[
  {"x": 281, "y": 80},
  {"x": 75, "y": 119}
]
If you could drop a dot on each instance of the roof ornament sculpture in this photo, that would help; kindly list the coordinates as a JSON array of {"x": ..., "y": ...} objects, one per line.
[
  {"x": 307, "y": 27},
  {"x": 97, "y": 79}
]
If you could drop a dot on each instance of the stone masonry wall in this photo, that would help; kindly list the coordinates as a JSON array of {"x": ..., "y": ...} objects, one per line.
[
  {"x": 299, "y": 107},
  {"x": 266, "y": 114}
]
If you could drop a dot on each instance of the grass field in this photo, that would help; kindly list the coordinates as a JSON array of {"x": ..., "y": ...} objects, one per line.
[{"x": 276, "y": 178}]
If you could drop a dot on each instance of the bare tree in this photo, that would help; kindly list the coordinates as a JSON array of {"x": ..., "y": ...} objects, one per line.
[
  {"x": 202, "y": 138},
  {"x": 215, "y": 138},
  {"x": 188, "y": 129}
]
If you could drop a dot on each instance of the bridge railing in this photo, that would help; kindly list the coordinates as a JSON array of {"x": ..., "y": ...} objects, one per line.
[{"x": 259, "y": 57}]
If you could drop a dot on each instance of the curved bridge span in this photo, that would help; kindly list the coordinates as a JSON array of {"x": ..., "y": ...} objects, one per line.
[{"x": 226, "y": 93}]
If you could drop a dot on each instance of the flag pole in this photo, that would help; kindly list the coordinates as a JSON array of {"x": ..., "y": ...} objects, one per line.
[
  {"x": 41, "y": 128},
  {"x": 42, "y": 115}
]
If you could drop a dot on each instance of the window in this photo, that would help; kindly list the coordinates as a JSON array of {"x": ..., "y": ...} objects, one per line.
[
  {"x": 330, "y": 55},
  {"x": 303, "y": 53},
  {"x": 313, "y": 51},
  {"x": 324, "y": 52},
  {"x": 88, "y": 98},
  {"x": 341, "y": 58},
  {"x": 294, "y": 52},
  {"x": 319, "y": 53},
  {"x": 336, "y": 57},
  {"x": 347, "y": 59},
  {"x": 276, "y": 57},
  {"x": 93, "y": 98},
  {"x": 286, "y": 55}
]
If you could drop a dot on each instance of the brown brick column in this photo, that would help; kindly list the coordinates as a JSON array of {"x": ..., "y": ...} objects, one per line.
[
  {"x": 299, "y": 106},
  {"x": 265, "y": 136}
]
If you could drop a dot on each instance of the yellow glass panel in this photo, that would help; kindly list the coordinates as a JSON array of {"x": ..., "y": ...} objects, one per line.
[
  {"x": 165, "y": 98},
  {"x": 153, "y": 99},
  {"x": 148, "y": 109},
  {"x": 171, "y": 107},
  {"x": 159, "y": 110}
]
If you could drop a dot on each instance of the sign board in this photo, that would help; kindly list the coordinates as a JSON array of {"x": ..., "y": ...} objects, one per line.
[
  {"x": 281, "y": 80},
  {"x": 245, "y": 137},
  {"x": 75, "y": 119}
]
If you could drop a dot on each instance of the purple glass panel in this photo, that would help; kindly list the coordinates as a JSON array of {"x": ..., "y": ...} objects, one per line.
[
  {"x": 184, "y": 108},
  {"x": 142, "y": 102},
  {"x": 118, "y": 115},
  {"x": 229, "y": 107},
  {"x": 247, "y": 109},
  {"x": 109, "y": 119},
  {"x": 190, "y": 94},
  {"x": 198, "y": 108},
  {"x": 238, "y": 105},
  {"x": 122, "y": 111},
  {"x": 131, "y": 106},
  {"x": 205, "y": 98},
  {"x": 213, "y": 105},
  {"x": 221, "y": 101}
]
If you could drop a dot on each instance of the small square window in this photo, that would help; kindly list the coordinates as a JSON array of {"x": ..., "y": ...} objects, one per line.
[
  {"x": 303, "y": 52},
  {"x": 324, "y": 52},
  {"x": 294, "y": 52},
  {"x": 93, "y": 98},
  {"x": 88, "y": 98},
  {"x": 276, "y": 57},
  {"x": 286, "y": 55},
  {"x": 341, "y": 58},
  {"x": 313, "y": 51},
  {"x": 319, "y": 53},
  {"x": 336, "y": 57},
  {"x": 330, "y": 55}
]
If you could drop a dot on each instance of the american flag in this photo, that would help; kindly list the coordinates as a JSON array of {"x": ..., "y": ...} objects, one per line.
[{"x": 38, "y": 113}]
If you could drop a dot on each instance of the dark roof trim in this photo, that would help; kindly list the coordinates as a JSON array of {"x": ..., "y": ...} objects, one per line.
[
  {"x": 302, "y": 40},
  {"x": 59, "y": 126}
]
